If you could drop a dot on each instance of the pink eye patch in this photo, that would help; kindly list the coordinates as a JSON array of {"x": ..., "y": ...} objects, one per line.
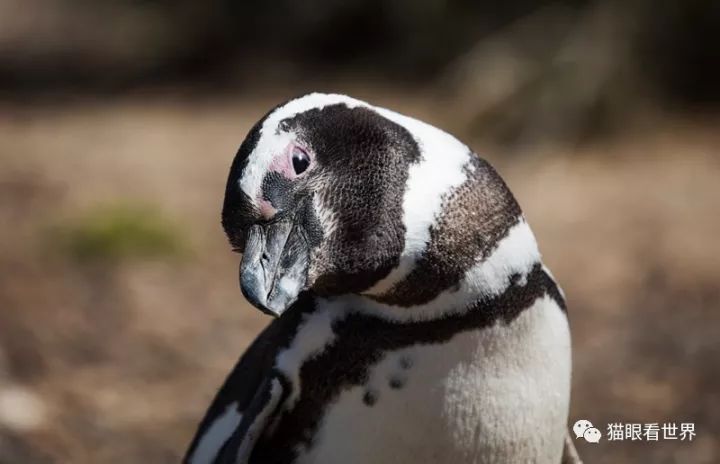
[{"x": 292, "y": 162}]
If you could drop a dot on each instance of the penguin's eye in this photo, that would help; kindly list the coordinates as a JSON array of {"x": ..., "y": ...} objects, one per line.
[{"x": 300, "y": 160}]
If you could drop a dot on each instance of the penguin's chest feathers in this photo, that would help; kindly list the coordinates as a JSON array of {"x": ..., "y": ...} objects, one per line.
[{"x": 370, "y": 394}]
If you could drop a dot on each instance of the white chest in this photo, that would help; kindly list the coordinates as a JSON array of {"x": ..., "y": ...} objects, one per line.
[{"x": 498, "y": 394}]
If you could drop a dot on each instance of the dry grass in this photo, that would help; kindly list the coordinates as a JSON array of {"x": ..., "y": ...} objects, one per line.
[{"x": 116, "y": 361}]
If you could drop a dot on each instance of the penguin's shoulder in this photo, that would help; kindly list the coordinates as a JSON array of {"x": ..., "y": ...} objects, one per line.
[{"x": 243, "y": 394}]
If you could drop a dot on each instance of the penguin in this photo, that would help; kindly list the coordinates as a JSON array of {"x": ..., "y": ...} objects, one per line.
[{"x": 413, "y": 318}]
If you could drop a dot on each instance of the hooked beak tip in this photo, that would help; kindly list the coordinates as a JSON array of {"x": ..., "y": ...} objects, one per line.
[
  {"x": 274, "y": 268},
  {"x": 254, "y": 292}
]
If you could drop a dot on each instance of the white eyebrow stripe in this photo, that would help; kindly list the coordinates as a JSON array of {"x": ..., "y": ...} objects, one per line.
[
  {"x": 440, "y": 171},
  {"x": 271, "y": 143}
]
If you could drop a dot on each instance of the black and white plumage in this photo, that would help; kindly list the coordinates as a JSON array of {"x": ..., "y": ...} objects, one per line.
[{"x": 417, "y": 323}]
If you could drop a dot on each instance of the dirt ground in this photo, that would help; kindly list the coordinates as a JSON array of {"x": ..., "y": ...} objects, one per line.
[{"x": 116, "y": 360}]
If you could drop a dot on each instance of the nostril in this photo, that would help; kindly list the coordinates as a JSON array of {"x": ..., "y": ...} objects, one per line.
[{"x": 265, "y": 257}]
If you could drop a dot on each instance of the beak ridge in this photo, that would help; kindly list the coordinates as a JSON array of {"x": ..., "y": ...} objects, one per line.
[{"x": 273, "y": 271}]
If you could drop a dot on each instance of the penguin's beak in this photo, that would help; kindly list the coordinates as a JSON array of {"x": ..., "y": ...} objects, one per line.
[{"x": 274, "y": 266}]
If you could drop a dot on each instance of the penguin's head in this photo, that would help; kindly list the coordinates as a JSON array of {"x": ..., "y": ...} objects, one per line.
[{"x": 317, "y": 198}]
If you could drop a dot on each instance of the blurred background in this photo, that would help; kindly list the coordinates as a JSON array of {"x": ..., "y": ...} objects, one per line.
[{"x": 120, "y": 312}]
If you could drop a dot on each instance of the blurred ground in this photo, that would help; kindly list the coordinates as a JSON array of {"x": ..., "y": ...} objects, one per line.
[{"x": 112, "y": 359}]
